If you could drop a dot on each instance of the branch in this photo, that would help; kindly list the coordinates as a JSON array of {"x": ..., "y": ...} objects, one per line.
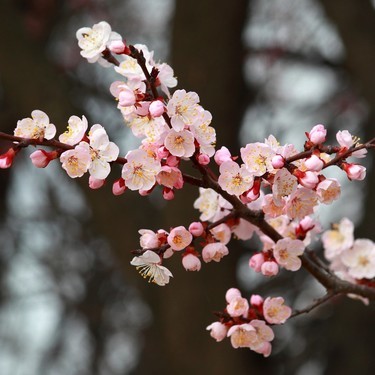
[{"x": 314, "y": 305}]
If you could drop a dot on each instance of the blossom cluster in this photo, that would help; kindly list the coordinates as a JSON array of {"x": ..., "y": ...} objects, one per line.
[{"x": 247, "y": 323}]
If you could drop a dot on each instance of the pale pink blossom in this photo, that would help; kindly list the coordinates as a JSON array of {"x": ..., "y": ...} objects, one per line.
[
  {"x": 117, "y": 46},
  {"x": 354, "y": 171},
  {"x": 222, "y": 155},
  {"x": 191, "y": 262},
  {"x": 338, "y": 239},
  {"x": 196, "y": 228},
  {"x": 218, "y": 331},
  {"x": 231, "y": 294},
  {"x": 308, "y": 179},
  {"x": 278, "y": 161},
  {"x": 149, "y": 128},
  {"x": 76, "y": 162},
  {"x": 130, "y": 69},
  {"x": 287, "y": 252},
  {"x": 203, "y": 159},
  {"x": 149, "y": 265},
  {"x": 156, "y": 108},
  {"x": 41, "y": 158},
  {"x": 317, "y": 134},
  {"x": 76, "y": 130},
  {"x": 238, "y": 306},
  {"x": 222, "y": 233},
  {"x": 36, "y": 127},
  {"x": 270, "y": 208},
  {"x": 140, "y": 170},
  {"x": 93, "y": 41},
  {"x": 264, "y": 335},
  {"x": 243, "y": 230},
  {"x": 203, "y": 133},
  {"x": 118, "y": 187},
  {"x": 328, "y": 190},
  {"x": 274, "y": 310},
  {"x": 210, "y": 204},
  {"x": 183, "y": 108},
  {"x": 269, "y": 268},
  {"x": 256, "y": 261},
  {"x": 180, "y": 143},
  {"x": 102, "y": 152},
  {"x": 6, "y": 159},
  {"x": 284, "y": 184},
  {"x": 179, "y": 238},
  {"x": 314, "y": 163},
  {"x": 360, "y": 259},
  {"x": 301, "y": 203},
  {"x": 256, "y": 300},
  {"x": 171, "y": 177},
  {"x": 242, "y": 335},
  {"x": 214, "y": 251},
  {"x": 234, "y": 179},
  {"x": 346, "y": 140},
  {"x": 149, "y": 239},
  {"x": 166, "y": 77},
  {"x": 257, "y": 158},
  {"x": 95, "y": 183}
]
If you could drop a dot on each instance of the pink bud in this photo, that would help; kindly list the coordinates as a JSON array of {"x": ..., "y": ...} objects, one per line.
[
  {"x": 95, "y": 183},
  {"x": 222, "y": 155},
  {"x": 256, "y": 262},
  {"x": 307, "y": 223},
  {"x": 256, "y": 300},
  {"x": 231, "y": 294},
  {"x": 317, "y": 134},
  {"x": 265, "y": 349},
  {"x": 172, "y": 161},
  {"x": 314, "y": 163},
  {"x": 354, "y": 171},
  {"x": 156, "y": 108},
  {"x": 168, "y": 194},
  {"x": 117, "y": 46},
  {"x": 218, "y": 331},
  {"x": 162, "y": 152},
  {"x": 196, "y": 228},
  {"x": 270, "y": 268},
  {"x": 278, "y": 161},
  {"x": 309, "y": 180},
  {"x": 126, "y": 97},
  {"x": 6, "y": 159},
  {"x": 144, "y": 193},
  {"x": 119, "y": 187},
  {"x": 252, "y": 195},
  {"x": 203, "y": 159},
  {"x": 41, "y": 158},
  {"x": 191, "y": 262}
]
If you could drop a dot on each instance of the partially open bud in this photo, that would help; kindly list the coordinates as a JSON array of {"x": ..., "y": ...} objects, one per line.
[
  {"x": 95, "y": 183},
  {"x": 119, "y": 187},
  {"x": 354, "y": 171},
  {"x": 41, "y": 158},
  {"x": 156, "y": 108},
  {"x": 6, "y": 160},
  {"x": 317, "y": 134}
]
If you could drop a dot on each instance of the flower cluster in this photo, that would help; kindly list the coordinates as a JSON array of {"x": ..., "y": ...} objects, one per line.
[{"x": 247, "y": 323}]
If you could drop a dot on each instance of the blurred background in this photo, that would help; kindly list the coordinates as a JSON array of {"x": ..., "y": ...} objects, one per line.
[{"x": 70, "y": 303}]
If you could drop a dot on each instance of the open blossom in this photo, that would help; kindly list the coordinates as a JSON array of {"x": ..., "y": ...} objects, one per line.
[
  {"x": 191, "y": 262},
  {"x": 149, "y": 239},
  {"x": 148, "y": 265},
  {"x": 166, "y": 77},
  {"x": 102, "y": 152},
  {"x": 360, "y": 259},
  {"x": 179, "y": 238},
  {"x": 264, "y": 335},
  {"x": 214, "y": 251},
  {"x": 222, "y": 155},
  {"x": 171, "y": 177},
  {"x": 183, "y": 108},
  {"x": 242, "y": 335},
  {"x": 328, "y": 190},
  {"x": 301, "y": 203},
  {"x": 284, "y": 185},
  {"x": 203, "y": 133},
  {"x": 338, "y": 239},
  {"x": 93, "y": 41},
  {"x": 218, "y": 331},
  {"x": 257, "y": 158},
  {"x": 36, "y": 127},
  {"x": 222, "y": 233},
  {"x": 76, "y": 162},
  {"x": 287, "y": 252},
  {"x": 234, "y": 179},
  {"x": 76, "y": 130},
  {"x": 238, "y": 306},
  {"x": 346, "y": 140},
  {"x": 274, "y": 310},
  {"x": 140, "y": 170},
  {"x": 180, "y": 143}
]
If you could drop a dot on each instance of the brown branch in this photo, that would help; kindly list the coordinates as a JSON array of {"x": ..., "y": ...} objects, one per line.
[{"x": 314, "y": 305}]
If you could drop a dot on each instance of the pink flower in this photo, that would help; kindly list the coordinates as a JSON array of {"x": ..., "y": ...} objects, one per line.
[
  {"x": 308, "y": 179},
  {"x": 354, "y": 171},
  {"x": 6, "y": 160},
  {"x": 156, "y": 108},
  {"x": 238, "y": 306},
  {"x": 287, "y": 252},
  {"x": 328, "y": 190},
  {"x": 242, "y": 335},
  {"x": 231, "y": 294},
  {"x": 256, "y": 262},
  {"x": 214, "y": 251},
  {"x": 171, "y": 177},
  {"x": 346, "y": 140},
  {"x": 218, "y": 331},
  {"x": 117, "y": 46},
  {"x": 222, "y": 155},
  {"x": 180, "y": 143},
  {"x": 191, "y": 262},
  {"x": 37, "y": 127},
  {"x": 75, "y": 132},
  {"x": 203, "y": 159},
  {"x": 256, "y": 300},
  {"x": 274, "y": 310},
  {"x": 314, "y": 163},
  {"x": 41, "y": 158},
  {"x": 269, "y": 268},
  {"x": 76, "y": 162},
  {"x": 95, "y": 183},
  {"x": 196, "y": 228},
  {"x": 179, "y": 238},
  {"x": 278, "y": 161},
  {"x": 119, "y": 187},
  {"x": 317, "y": 134}
]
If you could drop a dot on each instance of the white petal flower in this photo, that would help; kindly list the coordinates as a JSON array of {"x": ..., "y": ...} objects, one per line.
[
  {"x": 76, "y": 162},
  {"x": 148, "y": 265},
  {"x": 37, "y": 127},
  {"x": 75, "y": 132},
  {"x": 180, "y": 143}
]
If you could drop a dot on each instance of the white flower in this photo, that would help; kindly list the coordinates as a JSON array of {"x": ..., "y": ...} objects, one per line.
[
  {"x": 286, "y": 253},
  {"x": 346, "y": 140},
  {"x": 166, "y": 77},
  {"x": 93, "y": 41},
  {"x": 37, "y": 127},
  {"x": 284, "y": 185},
  {"x": 257, "y": 158},
  {"x": 75, "y": 132},
  {"x": 148, "y": 265},
  {"x": 102, "y": 152},
  {"x": 180, "y": 143},
  {"x": 140, "y": 170},
  {"x": 360, "y": 259},
  {"x": 76, "y": 162}
]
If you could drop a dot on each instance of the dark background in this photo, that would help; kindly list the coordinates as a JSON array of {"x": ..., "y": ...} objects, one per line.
[{"x": 69, "y": 301}]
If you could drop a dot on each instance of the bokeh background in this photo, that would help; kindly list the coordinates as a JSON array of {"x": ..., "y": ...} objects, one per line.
[{"x": 70, "y": 303}]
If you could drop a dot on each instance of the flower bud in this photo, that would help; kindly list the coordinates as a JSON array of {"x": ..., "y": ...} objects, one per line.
[
  {"x": 256, "y": 262},
  {"x": 309, "y": 179},
  {"x": 222, "y": 155},
  {"x": 317, "y": 134},
  {"x": 191, "y": 262},
  {"x": 256, "y": 300},
  {"x": 218, "y": 331},
  {"x": 314, "y": 163},
  {"x": 354, "y": 171},
  {"x": 196, "y": 228},
  {"x": 203, "y": 159},
  {"x": 41, "y": 158},
  {"x": 117, "y": 46},
  {"x": 168, "y": 194},
  {"x": 95, "y": 183},
  {"x": 126, "y": 97},
  {"x": 6, "y": 160},
  {"x": 156, "y": 108},
  {"x": 270, "y": 268},
  {"x": 119, "y": 187},
  {"x": 278, "y": 161}
]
